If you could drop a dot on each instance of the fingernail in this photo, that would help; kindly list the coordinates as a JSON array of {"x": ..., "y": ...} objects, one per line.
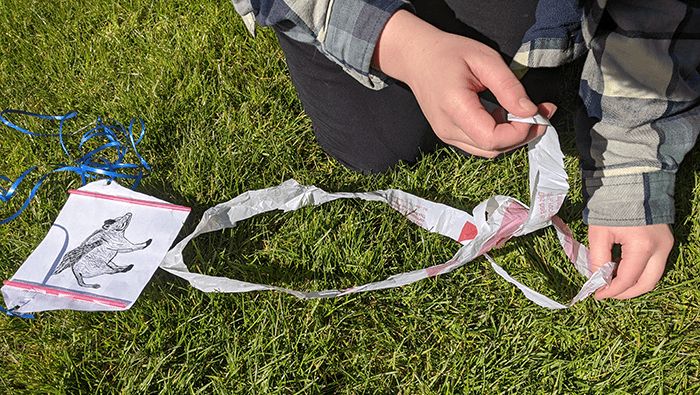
[{"x": 527, "y": 105}]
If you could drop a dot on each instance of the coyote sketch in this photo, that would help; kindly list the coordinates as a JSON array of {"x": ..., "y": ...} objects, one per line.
[{"x": 94, "y": 256}]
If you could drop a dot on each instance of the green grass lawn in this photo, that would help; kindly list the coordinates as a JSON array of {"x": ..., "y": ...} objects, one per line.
[{"x": 222, "y": 118}]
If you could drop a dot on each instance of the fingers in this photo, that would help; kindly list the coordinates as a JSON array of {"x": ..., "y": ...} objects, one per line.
[
  {"x": 495, "y": 75},
  {"x": 503, "y": 136},
  {"x": 645, "y": 250},
  {"x": 475, "y": 126},
  {"x": 446, "y": 73},
  {"x": 547, "y": 110},
  {"x": 631, "y": 268},
  {"x": 647, "y": 281},
  {"x": 601, "y": 243}
]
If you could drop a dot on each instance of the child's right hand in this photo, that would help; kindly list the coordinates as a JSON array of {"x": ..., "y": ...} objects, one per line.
[{"x": 445, "y": 73}]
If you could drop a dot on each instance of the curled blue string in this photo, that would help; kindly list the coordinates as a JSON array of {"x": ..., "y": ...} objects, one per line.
[
  {"x": 91, "y": 165},
  {"x": 13, "y": 313}
]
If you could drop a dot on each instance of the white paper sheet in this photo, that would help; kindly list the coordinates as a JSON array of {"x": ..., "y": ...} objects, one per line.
[{"x": 103, "y": 248}]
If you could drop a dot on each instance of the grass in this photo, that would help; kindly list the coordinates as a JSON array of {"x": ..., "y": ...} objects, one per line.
[{"x": 222, "y": 118}]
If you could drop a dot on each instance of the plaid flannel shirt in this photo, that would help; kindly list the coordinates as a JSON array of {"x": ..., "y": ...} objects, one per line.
[
  {"x": 640, "y": 83},
  {"x": 344, "y": 31}
]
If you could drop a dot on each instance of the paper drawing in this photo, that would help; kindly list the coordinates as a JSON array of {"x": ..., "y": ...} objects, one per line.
[
  {"x": 93, "y": 257},
  {"x": 102, "y": 249}
]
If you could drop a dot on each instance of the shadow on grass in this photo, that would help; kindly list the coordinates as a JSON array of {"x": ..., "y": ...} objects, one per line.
[
  {"x": 686, "y": 213},
  {"x": 553, "y": 276}
]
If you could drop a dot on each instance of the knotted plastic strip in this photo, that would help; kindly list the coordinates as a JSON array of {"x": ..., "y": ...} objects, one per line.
[
  {"x": 494, "y": 222},
  {"x": 94, "y": 164}
]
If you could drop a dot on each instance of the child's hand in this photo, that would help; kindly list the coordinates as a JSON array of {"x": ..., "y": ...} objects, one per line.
[
  {"x": 645, "y": 250},
  {"x": 446, "y": 72}
]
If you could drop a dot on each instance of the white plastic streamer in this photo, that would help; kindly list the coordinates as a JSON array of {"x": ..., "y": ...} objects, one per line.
[{"x": 495, "y": 221}]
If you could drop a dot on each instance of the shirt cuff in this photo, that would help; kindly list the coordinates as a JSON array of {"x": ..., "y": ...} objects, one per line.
[
  {"x": 629, "y": 199},
  {"x": 352, "y": 33}
]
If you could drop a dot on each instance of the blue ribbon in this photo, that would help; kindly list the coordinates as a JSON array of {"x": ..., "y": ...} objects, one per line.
[
  {"x": 88, "y": 166},
  {"x": 12, "y": 313}
]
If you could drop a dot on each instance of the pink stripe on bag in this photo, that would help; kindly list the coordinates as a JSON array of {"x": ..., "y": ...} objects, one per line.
[
  {"x": 514, "y": 216},
  {"x": 167, "y": 206},
  {"x": 435, "y": 270},
  {"x": 65, "y": 294}
]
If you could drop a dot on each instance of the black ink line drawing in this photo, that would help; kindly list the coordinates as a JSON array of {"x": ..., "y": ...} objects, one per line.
[{"x": 94, "y": 256}]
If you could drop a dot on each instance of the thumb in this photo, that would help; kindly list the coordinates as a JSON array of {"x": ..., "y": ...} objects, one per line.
[
  {"x": 510, "y": 93},
  {"x": 601, "y": 244}
]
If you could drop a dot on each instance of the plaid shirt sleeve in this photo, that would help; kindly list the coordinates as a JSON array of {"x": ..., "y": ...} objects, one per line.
[
  {"x": 641, "y": 89},
  {"x": 345, "y": 31},
  {"x": 555, "y": 38}
]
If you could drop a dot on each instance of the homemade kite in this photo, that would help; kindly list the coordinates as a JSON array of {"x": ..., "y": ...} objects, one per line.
[{"x": 108, "y": 240}]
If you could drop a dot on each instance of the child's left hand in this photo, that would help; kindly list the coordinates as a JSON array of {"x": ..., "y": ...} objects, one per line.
[{"x": 645, "y": 251}]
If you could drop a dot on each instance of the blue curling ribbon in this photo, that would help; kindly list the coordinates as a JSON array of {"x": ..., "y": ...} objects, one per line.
[
  {"x": 12, "y": 313},
  {"x": 91, "y": 165}
]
